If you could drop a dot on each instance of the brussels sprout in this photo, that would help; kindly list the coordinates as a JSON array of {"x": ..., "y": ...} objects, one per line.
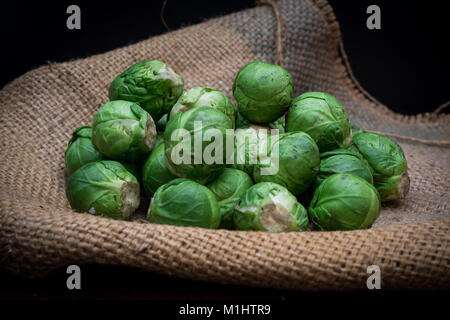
[
  {"x": 298, "y": 161},
  {"x": 228, "y": 188},
  {"x": 351, "y": 150},
  {"x": 267, "y": 206},
  {"x": 251, "y": 144},
  {"x": 80, "y": 150},
  {"x": 155, "y": 172},
  {"x": 344, "y": 202},
  {"x": 183, "y": 202},
  {"x": 241, "y": 122},
  {"x": 263, "y": 91},
  {"x": 123, "y": 130},
  {"x": 321, "y": 116},
  {"x": 103, "y": 188},
  {"x": 158, "y": 140},
  {"x": 162, "y": 123},
  {"x": 346, "y": 162},
  {"x": 188, "y": 147},
  {"x": 205, "y": 96},
  {"x": 388, "y": 161},
  {"x": 152, "y": 84},
  {"x": 278, "y": 124}
]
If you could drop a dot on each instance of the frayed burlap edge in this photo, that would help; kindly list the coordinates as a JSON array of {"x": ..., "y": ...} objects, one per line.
[{"x": 410, "y": 256}]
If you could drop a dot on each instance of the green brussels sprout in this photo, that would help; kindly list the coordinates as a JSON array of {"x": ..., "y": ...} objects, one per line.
[
  {"x": 267, "y": 206},
  {"x": 188, "y": 147},
  {"x": 263, "y": 91},
  {"x": 388, "y": 161},
  {"x": 298, "y": 159},
  {"x": 205, "y": 96},
  {"x": 351, "y": 150},
  {"x": 151, "y": 84},
  {"x": 333, "y": 162},
  {"x": 251, "y": 144},
  {"x": 155, "y": 172},
  {"x": 278, "y": 124},
  {"x": 80, "y": 150},
  {"x": 158, "y": 140},
  {"x": 322, "y": 116},
  {"x": 344, "y": 202},
  {"x": 241, "y": 122},
  {"x": 103, "y": 188},
  {"x": 162, "y": 123},
  {"x": 228, "y": 188},
  {"x": 122, "y": 130},
  {"x": 183, "y": 202}
]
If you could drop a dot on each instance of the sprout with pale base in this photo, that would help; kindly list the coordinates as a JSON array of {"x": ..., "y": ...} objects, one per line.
[
  {"x": 122, "y": 130},
  {"x": 388, "y": 162},
  {"x": 151, "y": 84},
  {"x": 104, "y": 188},
  {"x": 267, "y": 206}
]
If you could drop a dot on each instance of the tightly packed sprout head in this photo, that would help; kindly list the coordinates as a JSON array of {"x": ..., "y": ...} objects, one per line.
[
  {"x": 343, "y": 161},
  {"x": 344, "y": 202},
  {"x": 195, "y": 143},
  {"x": 123, "y": 130},
  {"x": 298, "y": 160},
  {"x": 251, "y": 145},
  {"x": 152, "y": 84},
  {"x": 103, "y": 188},
  {"x": 388, "y": 162},
  {"x": 205, "y": 96},
  {"x": 263, "y": 91},
  {"x": 183, "y": 202},
  {"x": 155, "y": 172},
  {"x": 228, "y": 188},
  {"x": 322, "y": 116},
  {"x": 80, "y": 150},
  {"x": 267, "y": 206}
]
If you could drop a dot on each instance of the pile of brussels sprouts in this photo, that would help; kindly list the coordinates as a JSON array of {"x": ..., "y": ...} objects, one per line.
[{"x": 150, "y": 138}]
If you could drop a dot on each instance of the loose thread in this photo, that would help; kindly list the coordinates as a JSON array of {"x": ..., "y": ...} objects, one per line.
[
  {"x": 352, "y": 75},
  {"x": 441, "y": 107},
  {"x": 440, "y": 143},
  {"x": 276, "y": 11},
  {"x": 161, "y": 14}
]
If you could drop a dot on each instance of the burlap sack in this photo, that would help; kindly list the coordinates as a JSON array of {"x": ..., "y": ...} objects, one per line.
[{"x": 39, "y": 111}]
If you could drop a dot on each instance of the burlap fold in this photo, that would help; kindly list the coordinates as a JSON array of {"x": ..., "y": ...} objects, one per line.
[{"x": 39, "y": 111}]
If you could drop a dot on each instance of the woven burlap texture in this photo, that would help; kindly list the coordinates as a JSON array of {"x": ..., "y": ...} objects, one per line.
[{"x": 39, "y": 111}]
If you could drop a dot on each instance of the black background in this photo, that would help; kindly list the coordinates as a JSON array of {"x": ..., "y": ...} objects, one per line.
[{"x": 405, "y": 65}]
